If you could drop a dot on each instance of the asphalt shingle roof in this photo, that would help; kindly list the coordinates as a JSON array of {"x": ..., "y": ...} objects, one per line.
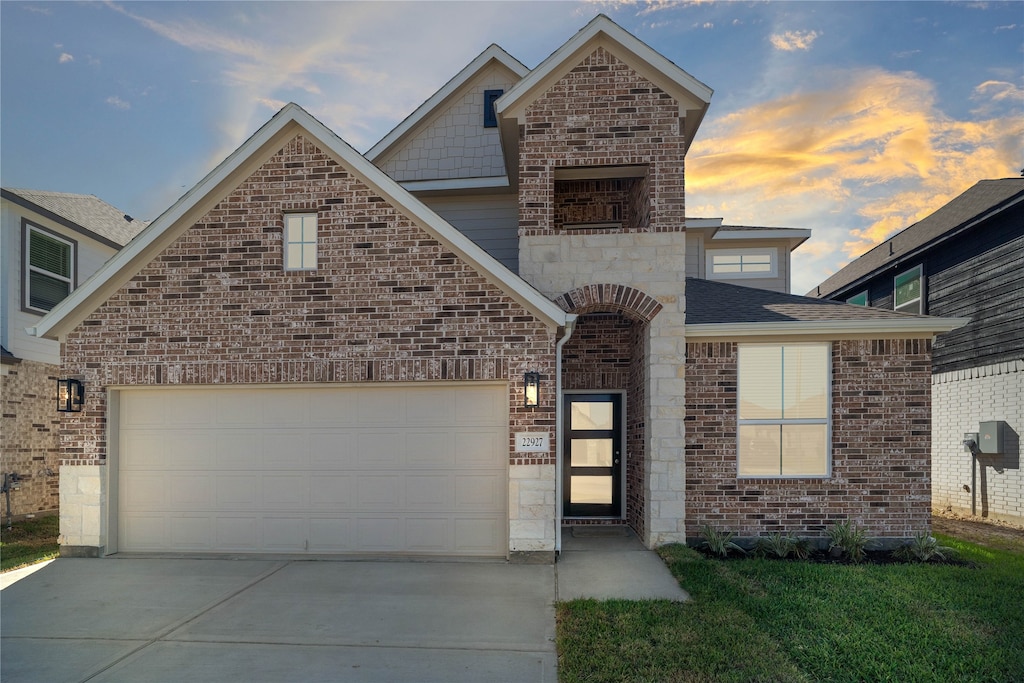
[
  {"x": 85, "y": 210},
  {"x": 985, "y": 195},
  {"x": 719, "y": 303}
]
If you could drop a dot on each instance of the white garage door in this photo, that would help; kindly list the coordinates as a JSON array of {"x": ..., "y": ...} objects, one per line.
[{"x": 381, "y": 469}]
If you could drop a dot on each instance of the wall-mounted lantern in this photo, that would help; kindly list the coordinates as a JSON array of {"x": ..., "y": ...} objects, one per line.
[
  {"x": 531, "y": 389},
  {"x": 70, "y": 395}
]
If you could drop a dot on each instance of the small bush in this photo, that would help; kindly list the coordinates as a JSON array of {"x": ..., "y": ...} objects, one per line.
[
  {"x": 779, "y": 546},
  {"x": 923, "y": 548},
  {"x": 848, "y": 538},
  {"x": 719, "y": 544}
]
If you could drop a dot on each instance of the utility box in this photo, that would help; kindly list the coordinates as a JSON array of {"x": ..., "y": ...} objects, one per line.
[{"x": 991, "y": 436}]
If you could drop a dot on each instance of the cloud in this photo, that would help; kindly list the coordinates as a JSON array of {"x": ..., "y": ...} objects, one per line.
[
  {"x": 117, "y": 103},
  {"x": 38, "y": 10},
  {"x": 854, "y": 162},
  {"x": 65, "y": 58},
  {"x": 1008, "y": 27},
  {"x": 791, "y": 41}
]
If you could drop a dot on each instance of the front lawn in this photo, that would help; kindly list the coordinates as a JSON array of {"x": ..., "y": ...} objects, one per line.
[
  {"x": 772, "y": 620},
  {"x": 28, "y": 542}
]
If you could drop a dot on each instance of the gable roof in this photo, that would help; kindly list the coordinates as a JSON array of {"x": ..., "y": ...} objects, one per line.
[
  {"x": 692, "y": 95},
  {"x": 493, "y": 53},
  {"x": 83, "y": 213},
  {"x": 286, "y": 124},
  {"x": 719, "y": 309},
  {"x": 983, "y": 200}
]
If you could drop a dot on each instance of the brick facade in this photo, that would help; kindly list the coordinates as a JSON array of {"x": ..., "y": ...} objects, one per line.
[
  {"x": 388, "y": 302},
  {"x": 29, "y": 436},
  {"x": 881, "y": 422}
]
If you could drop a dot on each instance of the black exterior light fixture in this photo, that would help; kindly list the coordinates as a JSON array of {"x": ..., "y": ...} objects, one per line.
[
  {"x": 70, "y": 395},
  {"x": 531, "y": 389}
]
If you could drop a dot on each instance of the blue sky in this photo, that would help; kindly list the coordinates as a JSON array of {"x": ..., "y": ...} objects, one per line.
[{"x": 852, "y": 119}]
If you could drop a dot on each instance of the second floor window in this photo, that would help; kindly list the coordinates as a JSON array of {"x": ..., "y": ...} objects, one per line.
[
  {"x": 724, "y": 264},
  {"x": 300, "y": 241},
  {"x": 49, "y": 269},
  {"x": 908, "y": 291}
]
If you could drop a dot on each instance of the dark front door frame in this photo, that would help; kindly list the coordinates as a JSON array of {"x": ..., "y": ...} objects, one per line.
[{"x": 617, "y": 508}]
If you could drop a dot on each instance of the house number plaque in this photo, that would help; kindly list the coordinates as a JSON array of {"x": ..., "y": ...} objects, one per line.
[{"x": 533, "y": 442}]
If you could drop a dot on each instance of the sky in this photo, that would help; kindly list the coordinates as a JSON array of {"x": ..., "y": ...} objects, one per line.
[{"x": 852, "y": 119}]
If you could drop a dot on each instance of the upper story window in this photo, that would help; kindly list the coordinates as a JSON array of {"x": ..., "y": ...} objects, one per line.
[
  {"x": 300, "y": 242},
  {"x": 783, "y": 410},
  {"x": 726, "y": 264},
  {"x": 908, "y": 291},
  {"x": 490, "y": 116},
  {"x": 49, "y": 273},
  {"x": 859, "y": 299}
]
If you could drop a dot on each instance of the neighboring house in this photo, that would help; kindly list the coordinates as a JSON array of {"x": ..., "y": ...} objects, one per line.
[
  {"x": 477, "y": 333},
  {"x": 51, "y": 242},
  {"x": 964, "y": 260}
]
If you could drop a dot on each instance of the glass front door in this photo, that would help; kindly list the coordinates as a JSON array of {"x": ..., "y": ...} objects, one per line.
[{"x": 592, "y": 462}]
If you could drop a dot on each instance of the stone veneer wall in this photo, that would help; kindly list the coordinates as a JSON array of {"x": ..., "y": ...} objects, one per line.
[
  {"x": 29, "y": 436},
  {"x": 603, "y": 113},
  {"x": 881, "y": 451},
  {"x": 388, "y": 302},
  {"x": 960, "y": 400}
]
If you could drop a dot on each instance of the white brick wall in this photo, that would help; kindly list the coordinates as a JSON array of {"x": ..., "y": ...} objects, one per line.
[{"x": 960, "y": 400}]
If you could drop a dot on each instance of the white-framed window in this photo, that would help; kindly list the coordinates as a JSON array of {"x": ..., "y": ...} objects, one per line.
[
  {"x": 300, "y": 241},
  {"x": 784, "y": 404},
  {"x": 726, "y": 264},
  {"x": 860, "y": 299},
  {"x": 908, "y": 291},
  {"x": 49, "y": 272}
]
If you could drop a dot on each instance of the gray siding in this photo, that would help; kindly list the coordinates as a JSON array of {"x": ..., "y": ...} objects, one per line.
[{"x": 492, "y": 221}]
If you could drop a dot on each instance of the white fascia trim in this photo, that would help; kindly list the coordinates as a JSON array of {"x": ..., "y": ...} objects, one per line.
[
  {"x": 598, "y": 25},
  {"x": 837, "y": 328},
  {"x": 494, "y": 52},
  {"x": 773, "y": 233},
  {"x": 702, "y": 223},
  {"x": 152, "y": 240},
  {"x": 454, "y": 184}
]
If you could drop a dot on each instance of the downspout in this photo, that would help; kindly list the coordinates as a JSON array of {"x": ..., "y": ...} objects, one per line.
[{"x": 570, "y": 325}]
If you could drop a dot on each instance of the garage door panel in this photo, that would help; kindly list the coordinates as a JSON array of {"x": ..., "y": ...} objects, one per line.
[
  {"x": 241, "y": 533},
  {"x": 236, "y": 491},
  {"x": 378, "y": 492},
  {"x": 330, "y": 534},
  {"x": 285, "y": 534},
  {"x": 374, "y": 469},
  {"x": 331, "y": 491},
  {"x": 429, "y": 534},
  {"x": 190, "y": 491},
  {"x": 428, "y": 491}
]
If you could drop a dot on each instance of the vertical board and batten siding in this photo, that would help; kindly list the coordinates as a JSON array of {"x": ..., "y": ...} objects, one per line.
[
  {"x": 695, "y": 253},
  {"x": 492, "y": 221}
]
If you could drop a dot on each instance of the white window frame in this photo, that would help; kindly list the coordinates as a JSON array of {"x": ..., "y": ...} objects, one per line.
[
  {"x": 771, "y": 252},
  {"x": 26, "y": 287},
  {"x": 916, "y": 304},
  {"x": 827, "y": 420},
  {"x": 289, "y": 265}
]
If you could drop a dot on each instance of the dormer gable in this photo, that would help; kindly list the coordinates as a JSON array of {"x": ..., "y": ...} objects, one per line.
[{"x": 453, "y": 135}]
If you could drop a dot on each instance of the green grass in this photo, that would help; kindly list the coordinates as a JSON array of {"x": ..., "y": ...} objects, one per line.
[
  {"x": 28, "y": 542},
  {"x": 770, "y": 620}
]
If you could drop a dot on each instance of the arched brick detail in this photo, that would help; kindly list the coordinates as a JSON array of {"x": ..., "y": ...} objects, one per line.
[{"x": 606, "y": 297}]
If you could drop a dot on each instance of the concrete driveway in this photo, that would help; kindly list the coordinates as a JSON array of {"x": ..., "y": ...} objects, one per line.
[{"x": 217, "y": 620}]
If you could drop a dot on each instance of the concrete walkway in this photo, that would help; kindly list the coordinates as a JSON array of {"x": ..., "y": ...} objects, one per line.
[{"x": 610, "y": 562}]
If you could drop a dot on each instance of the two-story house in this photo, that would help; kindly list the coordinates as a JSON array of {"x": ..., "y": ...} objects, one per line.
[
  {"x": 49, "y": 243},
  {"x": 964, "y": 260},
  {"x": 496, "y": 324}
]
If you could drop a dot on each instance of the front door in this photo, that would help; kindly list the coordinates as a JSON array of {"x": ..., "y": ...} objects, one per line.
[{"x": 592, "y": 460}]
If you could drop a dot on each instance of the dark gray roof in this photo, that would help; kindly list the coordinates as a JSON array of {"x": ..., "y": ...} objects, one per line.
[
  {"x": 719, "y": 303},
  {"x": 979, "y": 199},
  {"x": 82, "y": 210}
]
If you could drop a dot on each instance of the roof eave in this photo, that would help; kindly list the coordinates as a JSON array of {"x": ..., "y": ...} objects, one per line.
[{"x": 910, "y": 327}]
